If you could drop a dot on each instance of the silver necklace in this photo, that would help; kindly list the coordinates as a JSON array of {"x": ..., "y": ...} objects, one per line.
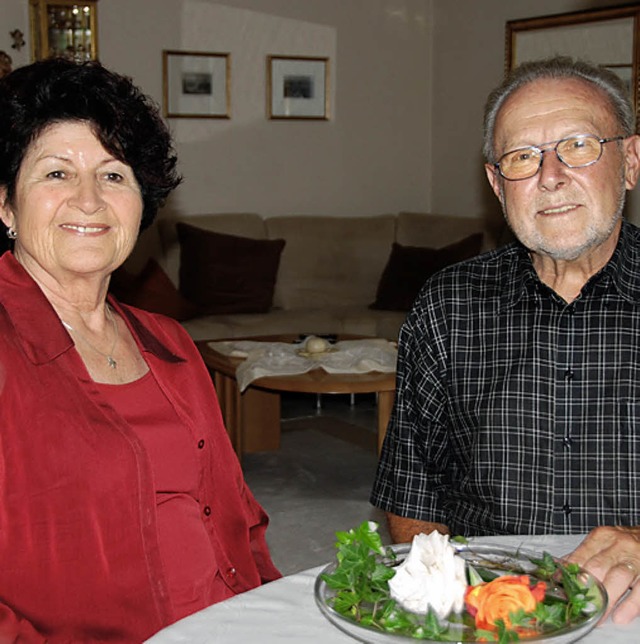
[{"x": 109, "y": 356}]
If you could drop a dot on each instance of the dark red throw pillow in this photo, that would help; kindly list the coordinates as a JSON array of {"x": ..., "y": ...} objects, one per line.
[
  {"x": 152, "y": 290},
  {"x": 409, "y": 267},
  {"x": 227, "y": 273}
]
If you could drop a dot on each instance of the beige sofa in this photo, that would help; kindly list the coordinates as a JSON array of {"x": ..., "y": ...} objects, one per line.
[{"x": 329, "y": 270}]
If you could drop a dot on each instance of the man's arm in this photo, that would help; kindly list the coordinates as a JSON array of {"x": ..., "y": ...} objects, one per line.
[
  {"x": 402, "y": 530},
  {"x": 612, "y": 554}
]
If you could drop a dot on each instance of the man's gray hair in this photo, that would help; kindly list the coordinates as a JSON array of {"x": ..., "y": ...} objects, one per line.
[{"x": 561, "y": 67}]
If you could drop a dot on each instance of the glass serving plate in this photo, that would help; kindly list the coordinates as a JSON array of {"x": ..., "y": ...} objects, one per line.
[{"x": 501, "y": 560}]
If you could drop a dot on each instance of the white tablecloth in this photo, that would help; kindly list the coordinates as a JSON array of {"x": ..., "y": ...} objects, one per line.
[
  {"x": 285, "y": 611},
  {"x": 288, "y": 359}
]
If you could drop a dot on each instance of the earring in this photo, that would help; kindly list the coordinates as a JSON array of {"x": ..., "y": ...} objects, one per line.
[{"x": 11, "y": 233}]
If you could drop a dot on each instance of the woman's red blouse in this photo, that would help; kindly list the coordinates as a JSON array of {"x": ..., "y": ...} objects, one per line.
[{"x": 187, "y": 555}]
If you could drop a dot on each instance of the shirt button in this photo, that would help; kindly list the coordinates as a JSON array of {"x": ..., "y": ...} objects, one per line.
[
  {"x": 206, "y": 510},
  {"x": 201, "y": 443},
  {"x": 231, "y": 573},
  {"x": 567, "y": 509},
  {"x": 567, "y": 441},
  {"x": 568, "y": 374}
]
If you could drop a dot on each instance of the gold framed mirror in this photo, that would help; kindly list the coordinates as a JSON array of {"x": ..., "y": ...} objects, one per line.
[
  {"x": 606, "y": 37},
  {"x": 64, "y": 28}
]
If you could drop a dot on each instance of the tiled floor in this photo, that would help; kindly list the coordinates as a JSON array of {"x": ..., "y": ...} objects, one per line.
[{"x": 319, "y": 481}]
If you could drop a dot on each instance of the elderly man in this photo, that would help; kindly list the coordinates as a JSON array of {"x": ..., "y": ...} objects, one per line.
[{"x": 518, "y": 399}]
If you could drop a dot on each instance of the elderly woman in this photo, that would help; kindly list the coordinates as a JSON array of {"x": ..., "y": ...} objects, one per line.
[{"x": 122, "y": 505}]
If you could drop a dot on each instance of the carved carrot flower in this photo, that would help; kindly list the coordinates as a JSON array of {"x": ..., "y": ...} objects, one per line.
[{"x": 502, "y": 597}]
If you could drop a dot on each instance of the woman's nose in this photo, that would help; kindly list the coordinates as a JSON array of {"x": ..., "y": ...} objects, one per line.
[{"x": 87, "y": 197}]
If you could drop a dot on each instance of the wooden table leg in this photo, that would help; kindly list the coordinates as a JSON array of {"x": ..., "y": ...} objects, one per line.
[
  {"x": 385, "y": 405},
  {"x": 260, "y": 420},
  {"x": 252, "y": 419}
]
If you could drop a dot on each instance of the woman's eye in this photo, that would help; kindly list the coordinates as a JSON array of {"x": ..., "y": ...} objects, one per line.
[
  {"x": 56, "y": 174},
  {"x": 114, "y": 177}
]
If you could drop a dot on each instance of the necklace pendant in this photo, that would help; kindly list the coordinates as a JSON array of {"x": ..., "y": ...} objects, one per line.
[{"x": 111, "y": 362}]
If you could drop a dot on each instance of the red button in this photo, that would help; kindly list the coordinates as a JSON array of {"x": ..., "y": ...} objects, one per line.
[
  {"x": 231, "y": 573},
  {"x": 207, "y": 510},
  {"x": 201, "y": 443}
]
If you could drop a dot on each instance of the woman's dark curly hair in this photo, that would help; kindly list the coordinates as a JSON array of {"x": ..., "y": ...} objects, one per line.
[{"x": 125, "y": 121}]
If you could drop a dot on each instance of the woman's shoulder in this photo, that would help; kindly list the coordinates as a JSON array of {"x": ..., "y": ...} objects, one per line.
[{"x": 155, "y": 330}]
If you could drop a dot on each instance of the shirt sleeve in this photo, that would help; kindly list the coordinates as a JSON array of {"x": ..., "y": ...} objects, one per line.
[
  {"x": 413, "y": 476},
  {"x": 258, "y": 522}
]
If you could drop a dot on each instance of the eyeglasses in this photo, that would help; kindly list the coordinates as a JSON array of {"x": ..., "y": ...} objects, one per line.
[{"x": 574, "y": 151}]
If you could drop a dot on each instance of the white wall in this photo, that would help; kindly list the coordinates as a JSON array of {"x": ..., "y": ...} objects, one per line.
[{"x": 371, "y": 157}]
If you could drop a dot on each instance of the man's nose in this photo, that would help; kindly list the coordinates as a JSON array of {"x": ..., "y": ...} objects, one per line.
[{"x": 553, "y": 172}]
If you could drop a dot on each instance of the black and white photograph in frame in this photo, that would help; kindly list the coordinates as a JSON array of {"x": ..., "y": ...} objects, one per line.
[
  {"x": 196, "y": 84},
  {"x": 297, "y": 87}
]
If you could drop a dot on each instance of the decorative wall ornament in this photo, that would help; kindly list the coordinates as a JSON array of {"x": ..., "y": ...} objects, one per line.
[{"x": 18, "y": 39}]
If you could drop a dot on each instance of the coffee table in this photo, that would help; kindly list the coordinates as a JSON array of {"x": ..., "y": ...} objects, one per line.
[{"x": 252, "y": 418}]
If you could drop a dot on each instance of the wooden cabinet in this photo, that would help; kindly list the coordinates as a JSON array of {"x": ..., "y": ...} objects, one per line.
[{"x": 64, "y": 28}]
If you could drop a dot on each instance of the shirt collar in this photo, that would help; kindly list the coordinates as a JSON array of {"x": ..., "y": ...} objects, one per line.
[
  {"x": 38, "y": 328},
  {"x": 624, "y": 266},
  {"x": 621, "y": 270}
]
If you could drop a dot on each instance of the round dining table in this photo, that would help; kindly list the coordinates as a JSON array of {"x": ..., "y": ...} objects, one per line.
[{"x": 285, "y": 610}]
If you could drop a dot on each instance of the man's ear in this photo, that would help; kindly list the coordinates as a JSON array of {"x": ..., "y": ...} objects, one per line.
[
  {"x": 494, "y": 179},
  {"x": 6, "y": 212},
  {"x": 631, "y": 151}
]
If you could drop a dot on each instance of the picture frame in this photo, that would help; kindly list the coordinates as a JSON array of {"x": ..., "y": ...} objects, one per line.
[
  {"x": 196, "y": 84},
  {"x": 608, "y": 36},
  {"x": 298, "y": 87}
]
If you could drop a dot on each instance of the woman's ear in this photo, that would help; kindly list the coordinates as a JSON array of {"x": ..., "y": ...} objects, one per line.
[{"x": 6, "y": 212}]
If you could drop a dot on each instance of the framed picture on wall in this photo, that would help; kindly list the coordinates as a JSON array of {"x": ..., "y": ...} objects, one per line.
[
  {"x": 297, "y": 87},
  {"x": 196, "y": 84}
]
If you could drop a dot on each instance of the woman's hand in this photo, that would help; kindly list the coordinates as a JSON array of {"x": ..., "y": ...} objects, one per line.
[{"x": 612, "y": 554}]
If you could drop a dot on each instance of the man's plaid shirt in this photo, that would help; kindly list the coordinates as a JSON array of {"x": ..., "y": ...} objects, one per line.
[{"x": 516, "y": 412}]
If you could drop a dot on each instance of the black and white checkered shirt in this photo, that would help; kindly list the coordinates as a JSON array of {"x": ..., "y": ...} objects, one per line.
[{"x": 516, "y": 412}]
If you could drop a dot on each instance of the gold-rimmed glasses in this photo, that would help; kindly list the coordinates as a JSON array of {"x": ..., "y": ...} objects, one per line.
[{"x": 576, "y": 151}]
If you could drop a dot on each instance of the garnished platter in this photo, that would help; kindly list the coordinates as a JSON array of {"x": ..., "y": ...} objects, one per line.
[{"x": 354, "y": 595}]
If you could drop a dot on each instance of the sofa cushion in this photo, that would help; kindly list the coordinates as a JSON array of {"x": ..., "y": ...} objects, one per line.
[
  {"x": 153, "y": 291},
  {"x": 245, "y": 224},
  {"x": 350, "y": 320},
  {"x": 436, "y": 231},
  {"x": 227, "y": 273},
  {"x": 409, "y": 267},
  {"x": 330, "y": 261}
]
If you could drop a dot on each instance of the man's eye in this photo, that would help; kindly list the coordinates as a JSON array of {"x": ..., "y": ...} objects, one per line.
[
  {"x": 522, "y": 156},
  {"x": 56, "y": 174},
  {"x": 114, "y": 177}
]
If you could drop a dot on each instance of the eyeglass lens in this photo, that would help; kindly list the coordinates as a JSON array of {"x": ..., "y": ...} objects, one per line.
[{"x": 574, "y": 152}]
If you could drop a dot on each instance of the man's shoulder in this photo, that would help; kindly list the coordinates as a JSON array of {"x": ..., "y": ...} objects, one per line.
[
  {"x": 631, "y": 232},
  {"x": 486, "y": 268},
  {"x": 481, "y": 282}
]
